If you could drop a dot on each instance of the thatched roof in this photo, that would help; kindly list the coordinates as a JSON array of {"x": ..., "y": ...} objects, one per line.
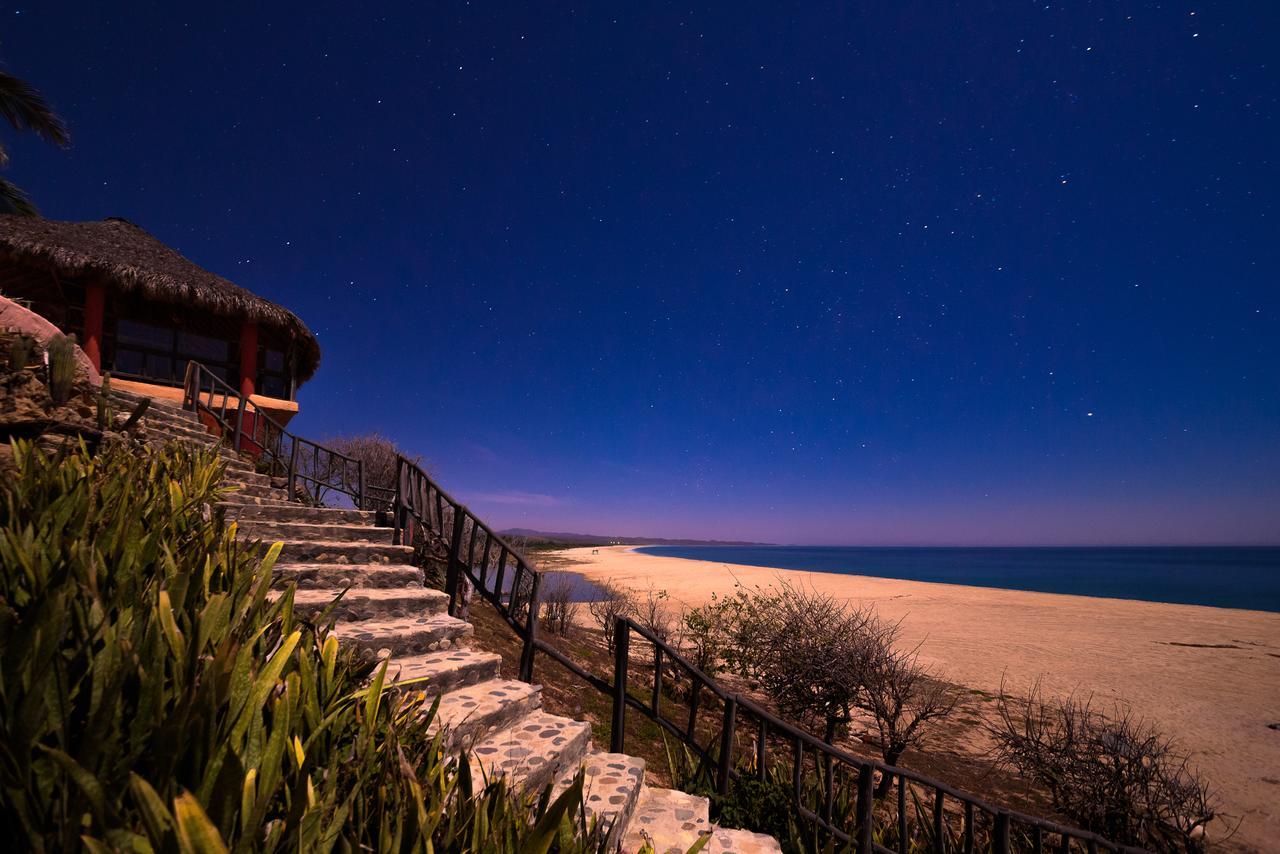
[{"x": 131, "y": 260}]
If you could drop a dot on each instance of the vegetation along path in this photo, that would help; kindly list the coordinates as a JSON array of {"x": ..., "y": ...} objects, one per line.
[{"x": 388, "y": 611}]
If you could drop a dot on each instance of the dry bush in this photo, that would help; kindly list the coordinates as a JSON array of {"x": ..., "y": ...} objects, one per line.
[
  {"x": 821, "y": 659},
  {"x": 611, "y": 603},
  {"x": 902, "y": 698},
  {"x": 1116, "y": 775},
  {"x": 558, "y": 608},
  {"x": 651, "y": 613},
  {"x": 379, "y": 454}
]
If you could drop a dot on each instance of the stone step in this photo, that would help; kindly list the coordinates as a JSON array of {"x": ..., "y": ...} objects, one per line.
[
  {"x": 610, "y": 791},
  {"x": 324, "y": 551},
  {"x": 335, "y": 576},
  {"x": 271, "y": 529},
  {"x": 372, "y": 603},
  {"x": 253, "y": 490},
  {"x": 239, "y": 500},
  {"x": 134, "y": 397},
  {"x": 668, "y": 819},
  {"x": 469, "y": 714},
  {"x": 726, "y": 841},
  {"x": 444, "y": 671},
  {"x": 401, "y": 636},
  {"x": 532, "y": 753},
  {"x": 291, "y": 512}
]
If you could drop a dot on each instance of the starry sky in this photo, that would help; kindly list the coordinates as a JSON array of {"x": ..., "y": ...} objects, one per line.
[{"x": 854, "y": 273}]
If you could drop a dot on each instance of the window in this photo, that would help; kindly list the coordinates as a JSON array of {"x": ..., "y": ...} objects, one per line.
[
  {"x": 160, "y": 354},
  {"x": 273, "y": 374}
]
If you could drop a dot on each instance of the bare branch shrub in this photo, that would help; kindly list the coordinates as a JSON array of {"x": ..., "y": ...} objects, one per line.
[
  {"x": 901, "y": 697},
  {"x": 651, "y": 613},
  {"x": 558, "y": 608},
  {"x": 378, "y": 453},
  {"x": 703, "y": 635},
  {"x": 611, "y": 602},
  {"x": 807, "y": 650},
  {"x": 1116, "y": 775}
]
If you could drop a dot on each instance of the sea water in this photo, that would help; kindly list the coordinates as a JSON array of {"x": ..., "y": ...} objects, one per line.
[{"x": 1225, "y": 577}]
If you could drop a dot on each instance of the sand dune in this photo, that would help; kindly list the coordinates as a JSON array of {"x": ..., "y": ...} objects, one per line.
[{"x": 1211, "y": 676}]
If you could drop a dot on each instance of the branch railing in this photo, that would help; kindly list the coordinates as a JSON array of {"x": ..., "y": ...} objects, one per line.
[
  {"x": 509, "y": 581},
  {"x": 301, "y": 462}
]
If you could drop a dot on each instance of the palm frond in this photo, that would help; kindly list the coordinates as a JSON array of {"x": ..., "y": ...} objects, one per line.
[
  {"x": 14, "y": 200},
  {"x": 26, "y": 109}
]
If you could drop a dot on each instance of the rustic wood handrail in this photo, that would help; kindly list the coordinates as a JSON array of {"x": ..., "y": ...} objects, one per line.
[
  {"x": 482, "y": 556},
  {"x": 203, "y": 391}
]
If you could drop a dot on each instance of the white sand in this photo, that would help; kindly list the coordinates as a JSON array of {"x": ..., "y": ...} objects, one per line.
[{"x": 1215, "y": 701}]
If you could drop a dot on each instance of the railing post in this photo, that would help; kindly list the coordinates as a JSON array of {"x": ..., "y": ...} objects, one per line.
[
  {"x": 621, "y": 655},
  {"x": 726, "y": 744},
  {"x": 235, "y": 444},
  {"x": 293, "y": 468},
  {"x": 360, "y": 474},
  {"x": 454, "y": 569},
  {"x": 530, "y": 631},
  {"x": 864, "y": 807},
  {"x": 1000, "y": 834},
  {"x": 396, "y": 502}
]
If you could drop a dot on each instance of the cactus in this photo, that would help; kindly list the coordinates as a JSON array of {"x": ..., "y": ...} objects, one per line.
[
  {"x": 62, "y": 367},
  {"x": 21, "y": 349},
  {"x": 104, "y": 402}
]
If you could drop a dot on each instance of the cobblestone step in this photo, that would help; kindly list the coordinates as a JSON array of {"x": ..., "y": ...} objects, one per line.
[
  {"x": 272, "y": 530},
  {"x": 533, "y": 752},
  {"x": 470, "y": 714},
  {"x": 668, "y": 819},
  {"x": 444, "y": 671},
  {"x": 291, "y": 512},
  {"x": 335, "y": 576},
  {"x": 253, "y": 490},
  {"x": 324, "y": 551},
  {"x": 372, "y": 603},
  {"x": 401, "y": 636},
  {"x": 610, "y": 790}
]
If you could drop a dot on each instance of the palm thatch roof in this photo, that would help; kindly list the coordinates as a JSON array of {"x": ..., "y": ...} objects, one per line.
[{"x": 131, "y": 260}]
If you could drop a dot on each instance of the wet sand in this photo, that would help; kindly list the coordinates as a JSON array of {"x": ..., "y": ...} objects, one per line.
[{"x": 1210, "y": 676}]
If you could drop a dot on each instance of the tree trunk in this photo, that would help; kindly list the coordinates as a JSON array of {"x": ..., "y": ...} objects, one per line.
[{"x": 891, "y": 757}]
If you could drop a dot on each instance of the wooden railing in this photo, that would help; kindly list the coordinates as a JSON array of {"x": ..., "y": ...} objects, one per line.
[
  {"x": 505, "y": 578},
  {"x": 301, "y": 462},
  {"x": 819, "y": 772}
]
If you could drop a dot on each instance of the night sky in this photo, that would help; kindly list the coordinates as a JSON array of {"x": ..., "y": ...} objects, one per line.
[{"x": 882, "y": 273}]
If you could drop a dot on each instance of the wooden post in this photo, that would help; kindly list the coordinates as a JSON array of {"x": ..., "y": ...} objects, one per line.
[
  {"x": 726, "y": 744},
  {"x": 360, "y": 478},
  {"x": 455, "y": 562},
  {"x": 239, "y": 433},
  {"x": 621, "y": 654},
  {"x": 293, "y": 468},
  {"x": 95, "y": 309},
  {"x": 248, "y": 357},
  {"x": 939, "y": 813},
  {"x": 864, "y": 808},
  {"x": 1000, "y": 835},
  {"x": 530, "y": 632}
]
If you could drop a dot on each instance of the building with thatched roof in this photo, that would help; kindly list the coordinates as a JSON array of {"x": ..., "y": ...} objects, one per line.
[{"x": 142, "y": 311}]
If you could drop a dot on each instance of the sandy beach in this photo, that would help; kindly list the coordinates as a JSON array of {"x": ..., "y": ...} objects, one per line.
[{"x": 1210, "y": 676}]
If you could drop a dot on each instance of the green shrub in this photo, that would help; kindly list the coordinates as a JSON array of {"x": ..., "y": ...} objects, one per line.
[{"x": 154, "y": 697}]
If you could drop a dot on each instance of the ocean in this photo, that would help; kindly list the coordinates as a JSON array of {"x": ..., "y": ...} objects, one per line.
[{"x": 1223, "y": 577}]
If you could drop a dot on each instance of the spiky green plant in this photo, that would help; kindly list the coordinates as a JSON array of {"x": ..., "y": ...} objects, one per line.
[
  {"x": 62, "y": 367},
  {"x": 21, "y": 349},
  {"x": 156, "y": 696},
  {"x": 104, "y": 402}
]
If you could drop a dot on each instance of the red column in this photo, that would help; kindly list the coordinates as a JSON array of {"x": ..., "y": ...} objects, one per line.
[
  {"x": 95, "y": 304},
  {"x": 248, "y": 357}
]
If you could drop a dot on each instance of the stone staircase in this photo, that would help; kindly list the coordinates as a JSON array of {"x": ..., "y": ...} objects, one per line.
[{"x": 389, "y": 612}]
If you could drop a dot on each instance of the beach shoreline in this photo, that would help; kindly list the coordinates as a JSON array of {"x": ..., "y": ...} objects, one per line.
[{"x": 1209, "y": 675}]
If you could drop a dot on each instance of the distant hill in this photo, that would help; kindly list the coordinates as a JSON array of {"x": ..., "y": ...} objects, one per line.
[{"x": 557, "y": 537}]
